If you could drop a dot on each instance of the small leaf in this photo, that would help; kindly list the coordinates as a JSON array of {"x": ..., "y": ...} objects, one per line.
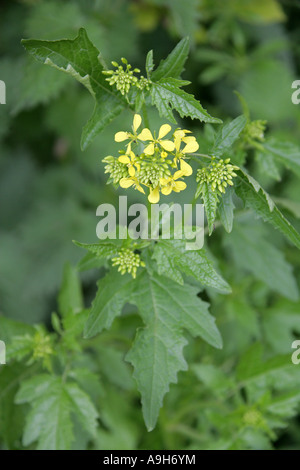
[
  {"x": 254, "y": 197},
  {"x": 173, "y": 65},
  {"x": 149, "y": 63},
  {"x": 105, "y": 248},
  {"x": 225, "y": 209},
  {"x": 210, "y": 201},
  {"x": 173, "y": 260},
  {"x": 167, "y": 94},
  {"x": 228, "y": 134}
]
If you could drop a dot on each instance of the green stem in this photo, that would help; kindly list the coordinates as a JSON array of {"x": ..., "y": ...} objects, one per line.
[{"x": 145, "y": 116}]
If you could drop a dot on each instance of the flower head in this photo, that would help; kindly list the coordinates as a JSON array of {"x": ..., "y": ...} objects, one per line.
[
  {"x": 218, "y": 174},
  {"x": 167, "y": 145},
  {"x": 171, "y": 184}
]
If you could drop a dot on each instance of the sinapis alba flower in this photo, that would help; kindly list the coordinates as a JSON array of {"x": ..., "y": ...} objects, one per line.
[
  {"x": 167, "y": 145},
  {"x": 130, "y": 161},
  {"x": 128, "y": 182},
  {"x": 191, "y": 146},
  {"x": 128, "y": 261},
  {"x": 171, "y": 184},
  {"x": 132, "y": 136}
]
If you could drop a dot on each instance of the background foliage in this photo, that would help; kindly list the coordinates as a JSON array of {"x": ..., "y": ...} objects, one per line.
[{"x": 241, "y": 396}]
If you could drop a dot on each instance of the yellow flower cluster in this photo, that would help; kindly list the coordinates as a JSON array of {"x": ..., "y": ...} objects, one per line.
[{"x": 148, "y": 160}]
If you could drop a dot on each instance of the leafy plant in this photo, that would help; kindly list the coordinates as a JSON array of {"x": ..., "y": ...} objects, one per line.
[{"x": 166, "y": 325}]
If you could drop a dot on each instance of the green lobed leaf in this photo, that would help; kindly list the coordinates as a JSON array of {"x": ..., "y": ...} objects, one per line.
[
  {"x": 113, "y": 292},
  {"x": 225, "y": 209},
  {"x": 166, "y": 309},
  {"x": 256, "y": 198},
  {"x": 105, "y": 248},
  {"x": 173, "y": 65},
  {"x": 52, "y": 402},
  {"x": 228, "y": 134},
  {"x": 80, "y": 59},
  {"x": 173, "y": 260},
  {"x": 167, "y": 95}
]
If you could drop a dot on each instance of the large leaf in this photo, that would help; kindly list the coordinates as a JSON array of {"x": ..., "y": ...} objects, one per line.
[
  {"x": 52, "y": 403},
  {"x": 173, "y": 260},
  {"x": 173, "y": 65},
  {"x": 256, "y": 198},
  {"x": 81, "y": 59},
  {"x": 166, "y": 309},
  {"x": 167, "y": 95}
]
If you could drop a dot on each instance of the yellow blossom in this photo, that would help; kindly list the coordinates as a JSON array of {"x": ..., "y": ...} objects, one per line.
[
  {"x": 122, "y": 135},
  {"x": 190, "y": 147},
  {"x": 129, "y": 160},
  {"x": 128, "y": 182},
  {"x": 167, "y": 145},
  {"x": 171, "y": 184}
]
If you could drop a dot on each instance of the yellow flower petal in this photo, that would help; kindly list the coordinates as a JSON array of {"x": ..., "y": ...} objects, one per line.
[
  {"x": 164, "y": 181},
  {"x": 121, "y": 136},
  {"x": 126, "y": 183},
  {"x": 154, "y": 195},
  {"x": 191, "y": 147},
  {"x": 145, "y": 135},
  {"x": 179, "y": 186},
  {"x": 140, "y": 189},
  {"x": 167, "y": 145},
  {"x": 149, "y": 150},
  {"x": 179, "y": 134},
  {"x": 178, "y": 174},
  {"x": 137, "y": 120},
  {"x": 166, "y": 190},
  {"x": 128, "y": 150},
  {"x": 188, "y": 139},
  {"x": 186, "y": 168},
  {"x": 131, "y": 170},
  {"x": 124, "y": 159},
  {"x": 164, "y": 130}
]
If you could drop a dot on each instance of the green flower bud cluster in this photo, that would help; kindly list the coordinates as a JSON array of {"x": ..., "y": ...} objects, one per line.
[
  {"x": 150, "y": 173},
  {"x": 128, "y": 261},
  {"x": 254, "y": 131},
  {"x": 143, "y": 83},
  {"x": 116, "y": 169},
  {"x": 253, "y": 418},
  {"x": 218, "y": 174},
  {"x": 123, "y": 77}
]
